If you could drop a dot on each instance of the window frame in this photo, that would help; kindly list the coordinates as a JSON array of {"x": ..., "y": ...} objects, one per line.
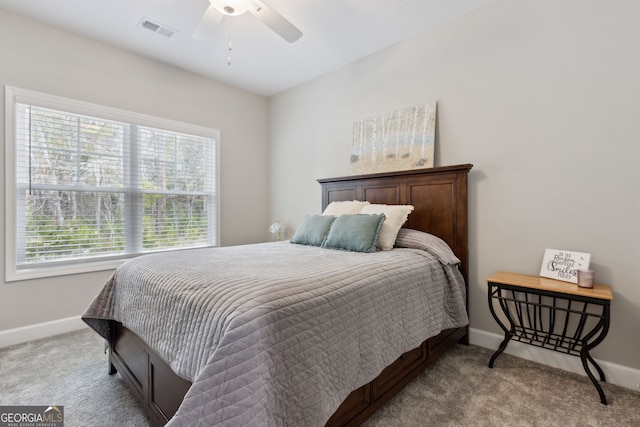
[{"x": 15, "y": 95}]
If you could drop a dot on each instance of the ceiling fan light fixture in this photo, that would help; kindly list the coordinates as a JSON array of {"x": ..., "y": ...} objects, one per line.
[
  {"x": 232, "y": 7},
  {"x": 219, "y": 8}
]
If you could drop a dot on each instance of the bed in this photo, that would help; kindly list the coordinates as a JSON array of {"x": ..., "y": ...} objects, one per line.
[{"x": 309, "y": 349}]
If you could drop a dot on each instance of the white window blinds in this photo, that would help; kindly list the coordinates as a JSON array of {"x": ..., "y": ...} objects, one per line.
[{"x": 90, "y": 187}]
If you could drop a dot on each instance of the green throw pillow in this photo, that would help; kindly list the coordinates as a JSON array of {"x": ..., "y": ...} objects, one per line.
[
  {"x": 357, "y": 233},
  {"x": 313, "y": 230}
]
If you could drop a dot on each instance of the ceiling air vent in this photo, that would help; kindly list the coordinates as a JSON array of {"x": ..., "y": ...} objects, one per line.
[{"x": 148, "y": 24}]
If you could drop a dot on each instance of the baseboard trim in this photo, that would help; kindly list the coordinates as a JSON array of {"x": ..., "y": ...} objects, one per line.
[
  {"x": 615, "y": 374},
  {"x": 40, "y": 330}
]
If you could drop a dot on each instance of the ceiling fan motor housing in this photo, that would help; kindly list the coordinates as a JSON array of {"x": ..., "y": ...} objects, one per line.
[
  {"x": 268, "y": 16},
  {"x": 231, "y": 7}
]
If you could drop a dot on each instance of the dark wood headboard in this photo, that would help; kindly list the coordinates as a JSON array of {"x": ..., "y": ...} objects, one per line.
[{"x": 439, "y": 196}]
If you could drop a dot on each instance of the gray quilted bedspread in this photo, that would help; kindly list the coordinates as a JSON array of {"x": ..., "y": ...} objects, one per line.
[{"x": 278, "y": 333}]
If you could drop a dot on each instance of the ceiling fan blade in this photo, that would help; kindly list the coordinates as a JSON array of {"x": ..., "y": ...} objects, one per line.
[
  {"x": 275, "y": 21},
  {"x": 208, "y": 24}
]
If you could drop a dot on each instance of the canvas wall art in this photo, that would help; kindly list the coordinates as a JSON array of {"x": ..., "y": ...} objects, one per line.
[{"x": 399, "y": 140}]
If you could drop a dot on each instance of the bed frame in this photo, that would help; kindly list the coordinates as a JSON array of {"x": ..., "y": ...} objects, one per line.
[{"x": 439, "y": 196}]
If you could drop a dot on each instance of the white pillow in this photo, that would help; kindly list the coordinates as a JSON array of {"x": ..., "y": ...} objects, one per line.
[
  {"x": 342, "y": 208},
  {"x": 396, "y": 216}
]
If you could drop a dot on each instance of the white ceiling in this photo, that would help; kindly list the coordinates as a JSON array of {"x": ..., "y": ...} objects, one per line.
[{"x": 335, "y": 33}]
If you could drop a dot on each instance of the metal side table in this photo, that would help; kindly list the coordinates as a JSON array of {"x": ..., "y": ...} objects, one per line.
[{"x": 551, "y": 314}]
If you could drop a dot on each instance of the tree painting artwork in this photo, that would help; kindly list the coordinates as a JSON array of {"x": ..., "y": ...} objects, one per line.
[{"x": 400, "y": 140}]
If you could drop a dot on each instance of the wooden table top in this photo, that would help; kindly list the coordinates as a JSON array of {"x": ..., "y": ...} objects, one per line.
[{"x": 598, "y": 291}]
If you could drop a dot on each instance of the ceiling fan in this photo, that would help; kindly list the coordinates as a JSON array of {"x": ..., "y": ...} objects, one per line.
[{"x": 219, "y": 8}]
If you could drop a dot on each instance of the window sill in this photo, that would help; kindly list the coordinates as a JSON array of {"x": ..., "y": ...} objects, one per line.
[{"x": 14, "y": 275}]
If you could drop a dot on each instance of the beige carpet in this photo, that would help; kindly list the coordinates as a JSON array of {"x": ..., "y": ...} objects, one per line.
[{"x": 459, "y": 390}]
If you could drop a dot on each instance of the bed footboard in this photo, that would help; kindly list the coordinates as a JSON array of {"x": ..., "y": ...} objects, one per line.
[
  {"x": 160, "y": 391},
  {"x": 153, "y": 383}
]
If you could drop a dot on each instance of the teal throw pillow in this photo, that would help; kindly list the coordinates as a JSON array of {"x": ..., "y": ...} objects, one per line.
[
  {"x": 357, "y": 233},
  {"x": 314, "y": 230}
]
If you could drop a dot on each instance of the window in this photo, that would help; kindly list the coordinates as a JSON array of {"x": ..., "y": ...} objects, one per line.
[{"x": 88, "y": 185}]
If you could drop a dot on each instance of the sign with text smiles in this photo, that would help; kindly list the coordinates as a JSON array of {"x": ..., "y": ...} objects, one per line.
[{"x": 564, "y": 265}]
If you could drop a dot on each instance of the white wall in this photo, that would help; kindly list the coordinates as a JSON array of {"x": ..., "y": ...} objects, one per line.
[
  {"x": 41, "y": 58},
  {"x": 543, "y": 97}
]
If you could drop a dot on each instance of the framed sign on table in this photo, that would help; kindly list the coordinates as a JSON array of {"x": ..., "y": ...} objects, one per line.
[{"x": 564, "y": 265}]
